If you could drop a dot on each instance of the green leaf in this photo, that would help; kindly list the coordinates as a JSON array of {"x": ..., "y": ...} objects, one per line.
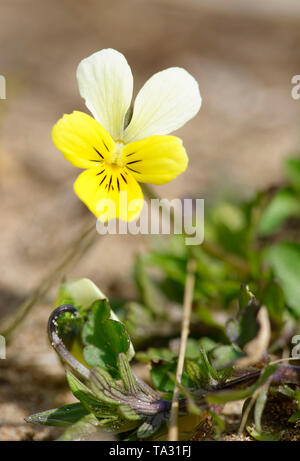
[
  {"x": 138, "y": 320},
  {"x": 173, "y": 266},
  {"x": 105, "y": 387},
  {"x": 129, "y": 413},
  {"x": 229, "y": 224},
  {"x": 212, "y": 372},
  {"x": 62, "y": 416},
  {"x": 162, "y": 381},
  {"x": 118, "y": 424},
  {"x": 84, "y": 429},
  {"x": 223, "y": 396},
  {"x": 260, "y": 405},
  {"x": 218, "y": 423},
  {"x": 198, "y": 374},
  {"x": 295, "y": 417},
  {"x": 273, "y": 298},
  {"x": 205, "y": 315},
  {"x": 266, "y": 372},
  {"x": 77, "y": 387},
  {"x": 297, "y": 396},
  {"x": 127, "y": 377},
  {"x": 194, "y": 347},
  {"x": 88, "y": 399},
  {"x": 193, "y": 351},
  {"x": 245, "y": 297},
  {"x": 292, "y": 168},
  {"x": 263, "y": 436},
  {"x": 287, "y": 391},
  {"x": 245, "y": 327},
  {"x": 225, "y": 356},
  {"x": 104, "y": 339},
  {"x": 284, "y": 259},
  {"x": 203, "y": 373},
  {"x": 155, "y": 355},
  {"x": 285, "y": 204}
]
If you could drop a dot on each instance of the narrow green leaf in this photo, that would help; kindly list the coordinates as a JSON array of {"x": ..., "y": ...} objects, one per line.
[
  {"x": 260, "y": 405},
  {"x": 161, "y": 379},
  {"x": 117, "y": 425},
  {"x": 285, "y": 204},
  {"x": 286, "y": 390},
  {"x": 129, "y": 413},
  {"x": 88, "y": 399},
  {"x": 62, "y": 416},
  {"x": 267, "y": 371},
  {"x": 244, "y": 327},
  {"x": 245, "y": 297},
  {"x": 225, "y": 355},
  {"x": 155, "y": 355},
  {"x": 127, "y": 377},
  {"x": 295, "y": 417},
  {"x": 273, "y": 298},
  {"x": 84, "y": 429},
  {"x": 221, "y": 397},
  {"x": 285, "y": 262},
  {"x": 292, "y": 168},
  {"x": 78, "y": 388},
  {"x": 199, "y": 375},
  {"x": 263, "y": 436},
  {"x": 211, "y": 370},
  {"x": 105, "y": 388}
]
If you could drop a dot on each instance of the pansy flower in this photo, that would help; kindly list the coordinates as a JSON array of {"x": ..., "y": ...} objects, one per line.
[{"x": 122, "y": 145}]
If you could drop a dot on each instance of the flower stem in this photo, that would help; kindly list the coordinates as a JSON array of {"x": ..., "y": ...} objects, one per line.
[
  {"x": 187, "y": 309},
  {"x": 57, "y": 343}
]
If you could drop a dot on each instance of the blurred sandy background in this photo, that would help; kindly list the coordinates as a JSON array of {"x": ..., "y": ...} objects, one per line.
[{"x": 242, "y": 53}]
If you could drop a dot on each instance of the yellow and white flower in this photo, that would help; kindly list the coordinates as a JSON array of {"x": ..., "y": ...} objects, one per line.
[{"x": 122, "y": 146}]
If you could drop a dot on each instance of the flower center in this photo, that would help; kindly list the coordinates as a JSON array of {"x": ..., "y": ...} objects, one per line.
[{"x": 116, "y": 155}]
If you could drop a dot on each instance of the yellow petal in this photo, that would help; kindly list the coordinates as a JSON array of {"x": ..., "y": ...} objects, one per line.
[
  {"x": 82, "y": 140},
  {"x": 156, "y": 159},
  {"x": 110, "y": 192}
]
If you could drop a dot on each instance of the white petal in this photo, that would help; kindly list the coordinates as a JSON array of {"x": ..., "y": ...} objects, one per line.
[
  {"x": 166, "y": 102},
  {"x": 106, "y": 83}
]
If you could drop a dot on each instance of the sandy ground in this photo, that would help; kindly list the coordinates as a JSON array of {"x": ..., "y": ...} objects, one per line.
[{"x": 243, "y": 60}]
